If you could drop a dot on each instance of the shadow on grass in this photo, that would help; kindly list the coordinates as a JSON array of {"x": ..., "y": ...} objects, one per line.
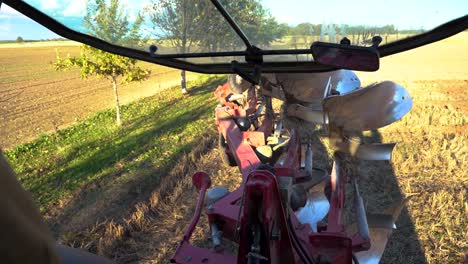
[{"x": 124, "y": 168}]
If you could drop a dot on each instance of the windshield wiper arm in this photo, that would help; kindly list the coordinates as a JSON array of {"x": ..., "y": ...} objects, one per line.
[{"x": 232, "y": 23}]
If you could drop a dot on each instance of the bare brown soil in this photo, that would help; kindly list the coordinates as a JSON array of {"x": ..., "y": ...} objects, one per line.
[{"x": 36, "y": 99}]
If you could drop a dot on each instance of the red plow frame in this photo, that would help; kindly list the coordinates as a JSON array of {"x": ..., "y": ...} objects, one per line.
[{"x": 257, "y": 216}]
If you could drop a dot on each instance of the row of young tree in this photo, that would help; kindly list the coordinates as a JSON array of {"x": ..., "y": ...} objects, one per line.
[
  {"x": 181, "y": 24},
  {"x": 185, "y": 26},
  {"x": 107, "y": 20}
]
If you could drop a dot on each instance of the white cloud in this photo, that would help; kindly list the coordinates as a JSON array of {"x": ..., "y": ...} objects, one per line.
[
  {"x": 75, "y": 9},
  {"x": 5, "y": 28},
  {"x": 6, "y": 11},
  {"x": 49, "y": 4}
]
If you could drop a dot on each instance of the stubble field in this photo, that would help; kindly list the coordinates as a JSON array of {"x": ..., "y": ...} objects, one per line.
[{"x": 135, "y": 205}]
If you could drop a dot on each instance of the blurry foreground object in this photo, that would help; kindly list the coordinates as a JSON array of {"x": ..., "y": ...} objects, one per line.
[{"x": 25, "y": 238}]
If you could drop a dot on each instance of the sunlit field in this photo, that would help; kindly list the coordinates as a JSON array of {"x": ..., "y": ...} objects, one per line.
[
  {"x": 126, "y": 192},
  {"x": 36, "y": 99},
  {"x": 431, "y": 159}
]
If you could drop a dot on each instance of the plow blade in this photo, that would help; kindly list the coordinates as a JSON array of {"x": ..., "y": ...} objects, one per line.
[
  {"x": 315, "y": 116},
  {"x": 368, "y": 108},
  {"x": 375, "y": 151},
  {"x": 380, "y": 229},
  {"x": 372, "y": 151},
  {"x": 314, "y": 211}
]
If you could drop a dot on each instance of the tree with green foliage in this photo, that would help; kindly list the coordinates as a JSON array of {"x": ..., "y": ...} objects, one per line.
[
  {"x": 196, "y": 25},
  {"x": 177, "y": 23},
  {"x": 19, "y": 39},
  {"x": 107, "y": 21},
  {"x": 303, "y": 31},
  {"x": 257, "y": 23}
]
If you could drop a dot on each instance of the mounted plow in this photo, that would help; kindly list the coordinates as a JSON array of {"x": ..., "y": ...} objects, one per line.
[{"x": 287, "y": 210}]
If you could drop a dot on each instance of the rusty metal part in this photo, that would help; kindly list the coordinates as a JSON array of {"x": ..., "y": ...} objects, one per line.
[
  {"x": 353, "y": 146},
  {"x": 254, "y": 138}
]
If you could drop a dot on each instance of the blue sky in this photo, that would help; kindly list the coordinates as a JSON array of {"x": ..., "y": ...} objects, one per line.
[
  {"x": 405, "y": 14},
  {"x": 14, "y": 24}
]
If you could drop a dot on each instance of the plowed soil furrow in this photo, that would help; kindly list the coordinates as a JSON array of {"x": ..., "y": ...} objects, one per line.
[
  {"x": 58, "y": 100},
  {"x": 35, "y": 99},
  {"x": 33, "y": 85}
]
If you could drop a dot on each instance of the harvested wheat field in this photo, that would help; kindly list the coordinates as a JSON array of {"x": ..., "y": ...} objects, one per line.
[{"x": 126, "y": 193}]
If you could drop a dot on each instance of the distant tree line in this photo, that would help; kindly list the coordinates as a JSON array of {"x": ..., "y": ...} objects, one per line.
[
  {"x": 315, "y": 29},
  {"x": 359, "y": 34},
  {"x": 196, "y": 26},
  {"x": 20, "y": 39}
]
